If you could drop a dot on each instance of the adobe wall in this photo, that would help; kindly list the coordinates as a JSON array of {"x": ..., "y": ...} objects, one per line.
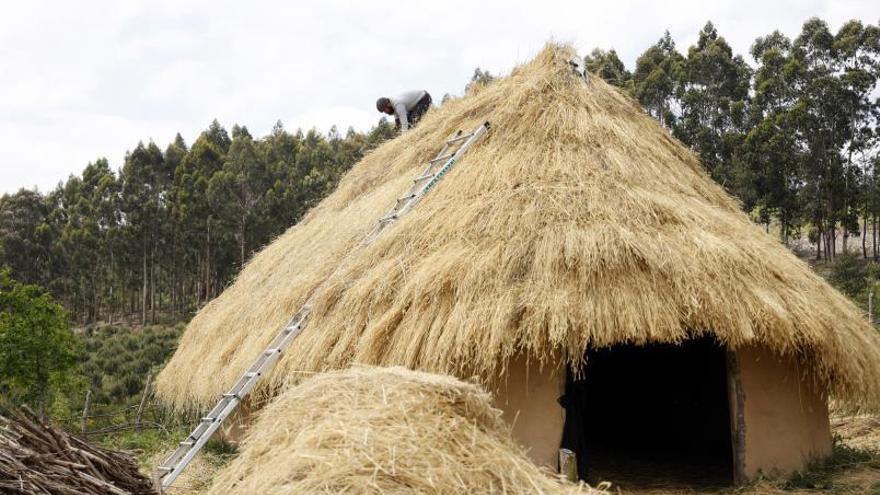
[
  {"x": 528, "y": 397},
  {"x": 782, "y": 417}
]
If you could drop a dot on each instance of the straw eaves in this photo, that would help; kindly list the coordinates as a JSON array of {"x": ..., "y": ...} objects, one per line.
[{"x": 577, "y": 222}]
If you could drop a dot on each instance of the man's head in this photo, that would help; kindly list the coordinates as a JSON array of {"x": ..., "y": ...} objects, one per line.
[{"x": 384, "y": 105}]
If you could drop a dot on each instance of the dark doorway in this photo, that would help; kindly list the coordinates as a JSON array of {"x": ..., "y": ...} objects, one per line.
[{"x": 650, "y": 416}]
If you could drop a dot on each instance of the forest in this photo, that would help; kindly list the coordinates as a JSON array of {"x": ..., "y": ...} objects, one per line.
[
  {"x": 791, "y": 129},
  {"x": 167, "y": 231}
]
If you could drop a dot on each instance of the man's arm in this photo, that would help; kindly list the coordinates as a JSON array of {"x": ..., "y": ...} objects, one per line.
[{"x": 400, "y": 110}]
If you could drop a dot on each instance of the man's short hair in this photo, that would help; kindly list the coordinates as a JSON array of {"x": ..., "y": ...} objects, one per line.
[{"x": 382, "y": 104}]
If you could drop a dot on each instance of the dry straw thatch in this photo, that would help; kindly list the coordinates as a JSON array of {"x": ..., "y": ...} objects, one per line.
[
  {"x": 578, "y": 221},
  {"x": 384, "y": 430}
]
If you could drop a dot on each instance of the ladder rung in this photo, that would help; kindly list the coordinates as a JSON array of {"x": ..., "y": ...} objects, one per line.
[
  {"x": 405, "y": 198},
  {"x": 444, "y": 157},
  {"x": 460, "y": 138},
  {"x": 165, "y": 468},
  {"x": 230, "y": 396},
  {"x": 208, "y": 420},
  {"x": 251, "y": 374},
  {"x": 269, "y": 352},
  {"x": 389, "y": 218},
  {"x": 426, "y": 176},
  {"x": 187, "y": 443}
]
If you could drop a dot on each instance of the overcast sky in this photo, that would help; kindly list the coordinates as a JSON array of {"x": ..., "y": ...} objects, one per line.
[{"x": 87, "y": 79}]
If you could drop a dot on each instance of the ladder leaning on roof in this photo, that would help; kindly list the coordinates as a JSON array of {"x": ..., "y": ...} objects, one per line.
[{"x": 169, "y": 470}]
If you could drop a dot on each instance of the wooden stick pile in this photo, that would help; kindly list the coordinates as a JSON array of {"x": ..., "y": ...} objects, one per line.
[{"x": 36, "y": 458}]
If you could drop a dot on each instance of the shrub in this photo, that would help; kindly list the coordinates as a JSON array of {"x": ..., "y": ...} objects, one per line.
[{"x": 849, "y": 275}]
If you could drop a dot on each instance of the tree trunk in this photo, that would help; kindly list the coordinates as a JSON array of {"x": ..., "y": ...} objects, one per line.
[
  {"x": 874, "y": 235},
  {"x": 208, "y": 263},
  {"x": 153, "y": 285},
  {"x": 144, "y": 286},
  {"x": 197, "y": 299},
  {"x": 241, "y": 231}
]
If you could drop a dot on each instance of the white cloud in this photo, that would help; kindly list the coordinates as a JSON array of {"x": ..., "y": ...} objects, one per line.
[{"x": 80, "y": 80}]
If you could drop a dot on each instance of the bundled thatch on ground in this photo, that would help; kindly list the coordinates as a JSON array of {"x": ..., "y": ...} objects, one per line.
[
  {"x": 859, "y": 432},
  {"x": 383, "y": 430},
  {"x": 577, "y": 222},
  {"x": 39, "y": 459}
]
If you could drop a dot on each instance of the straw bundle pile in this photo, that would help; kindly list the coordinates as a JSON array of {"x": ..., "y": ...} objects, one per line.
[
  {"x": 383, "y": 430},
  {"x": 577, "y": 222}
]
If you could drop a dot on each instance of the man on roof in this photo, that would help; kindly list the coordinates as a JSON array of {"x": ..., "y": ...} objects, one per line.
[{"x": 407, "y": 108}]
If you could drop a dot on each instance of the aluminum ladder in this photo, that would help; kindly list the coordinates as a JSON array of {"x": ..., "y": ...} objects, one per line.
[{"x": 168, "y": 471}]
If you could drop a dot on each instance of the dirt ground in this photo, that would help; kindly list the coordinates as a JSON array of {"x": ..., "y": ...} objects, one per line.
[
  {"x": 853, "y": 469},
  {"x": 197, "y": 476}
]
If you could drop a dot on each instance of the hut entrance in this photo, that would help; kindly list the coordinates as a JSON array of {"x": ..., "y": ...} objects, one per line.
[{"x": 653, "y": 415}]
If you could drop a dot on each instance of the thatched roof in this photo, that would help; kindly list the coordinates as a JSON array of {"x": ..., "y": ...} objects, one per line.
[
  {"x": 578, "y": 221},
  {"x": 376, "y": 430}
]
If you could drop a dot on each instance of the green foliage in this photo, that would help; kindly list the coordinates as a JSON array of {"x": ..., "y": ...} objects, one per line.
[
  {"x": 25, "y": 235},
  {"x": 37, "y": 349},
  {"x": 656, "y": 79},
  {"x": 163, "y": 235},
  {"x": 849, "y": 275},
  {"x": 795, "y": 138},
  {"x": 145, "y": 444},
  {"x": 480, "y": 78},
  {"x": 820, "y": 476},
  {"x": 220, "y": 448},
  {"x": 713, "y": 94},
  {"x": 608, "y": 66},
  {"x": 117, "y": 360}
]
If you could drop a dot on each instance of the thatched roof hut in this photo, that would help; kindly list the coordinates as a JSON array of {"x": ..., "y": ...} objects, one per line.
[
  {"x": 384, "y": 430},
  {"x": 577, "y": 225}
]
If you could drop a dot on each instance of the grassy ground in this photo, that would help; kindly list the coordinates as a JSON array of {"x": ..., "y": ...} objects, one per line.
[
  {"x": 198, "y": 475},
  {"x": 152, "y": 447}
]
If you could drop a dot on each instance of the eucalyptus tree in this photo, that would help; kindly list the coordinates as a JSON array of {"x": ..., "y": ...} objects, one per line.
[
  {"x": 714, "y": 94},
  {"x": 608, "y": 66},
  {"x": 656, "y": 80}
]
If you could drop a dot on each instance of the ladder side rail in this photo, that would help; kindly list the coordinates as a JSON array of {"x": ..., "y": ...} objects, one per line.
[
  {"x": 185, "y": 452},
  {"x": 447, "y": 165},
  {"x": 196, "y": 447},
  {"x": 214, "y": 420},
  {"x": 239, "y": 391},
  {"x": 455, "y": 137},
  {"x": 418, "y": 191}
]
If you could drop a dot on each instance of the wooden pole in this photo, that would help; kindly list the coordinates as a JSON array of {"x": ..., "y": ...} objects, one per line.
[
  {"x": 568, "y": 465},
  {"x": 82, "y": 425},
  {"x": 137, "y": 421},
  {"x": 871, "y": 307}
]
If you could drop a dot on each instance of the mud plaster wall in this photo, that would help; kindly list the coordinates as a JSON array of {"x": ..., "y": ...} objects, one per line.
[
  {"x": 527, "y": 394},
  {"x": 785, "y": 417}
]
